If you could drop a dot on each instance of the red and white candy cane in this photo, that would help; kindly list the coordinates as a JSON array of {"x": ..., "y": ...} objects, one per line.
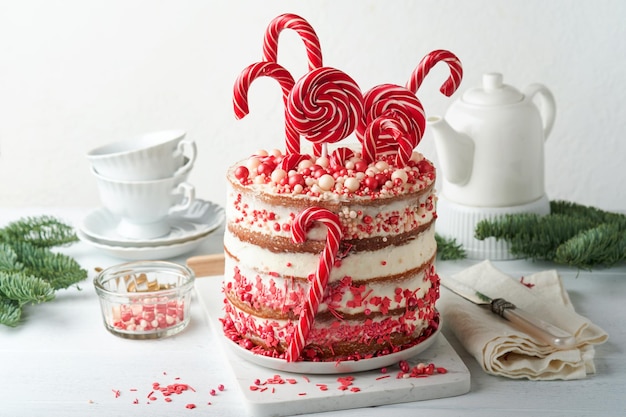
[
  {"x": 394, "y": 126},
  {"x": 391, "y": 102},
  {"x": 291, "y": 161},
  {"x": 284, "y": 78},
  {"x": 428, "y": 62},
  {"x": 339, "y": 156},
  {"x": 325, "y": 105},
  {"x": 303, "y": 28},
  {"x": 317, "y": 286}
]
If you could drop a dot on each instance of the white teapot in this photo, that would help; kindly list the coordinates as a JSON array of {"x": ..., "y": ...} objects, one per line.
[{"x": 491, "y": 144}]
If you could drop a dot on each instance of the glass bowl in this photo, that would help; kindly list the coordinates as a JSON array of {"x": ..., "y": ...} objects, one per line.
[{"x": 145, "y": 299}]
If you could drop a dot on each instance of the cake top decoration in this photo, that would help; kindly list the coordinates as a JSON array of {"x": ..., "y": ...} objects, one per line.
[{"x": 326, "y": 105}]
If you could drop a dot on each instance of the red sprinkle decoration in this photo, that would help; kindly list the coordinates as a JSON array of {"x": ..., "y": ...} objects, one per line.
[
  {"x": 346, "y": 383},
  {"x": 167, "y": 391},
  {"x": 528, "y": 284}
]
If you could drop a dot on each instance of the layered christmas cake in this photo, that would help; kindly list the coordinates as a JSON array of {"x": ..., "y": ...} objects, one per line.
[{"x": 329, "y": 252}]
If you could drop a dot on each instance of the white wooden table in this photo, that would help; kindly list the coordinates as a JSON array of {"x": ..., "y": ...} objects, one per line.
[{"x": 62, "y": 362}]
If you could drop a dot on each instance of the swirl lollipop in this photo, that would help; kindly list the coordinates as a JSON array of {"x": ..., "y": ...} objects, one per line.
[
  {"x": 303, "y": 28},
  {"x": 318, "y": 285},
  {"x": 428, "y": 62},
  {"x": 325, "y": 105},
  {"x": 400, "y": 122},
  {"x": 284, "y": 78}
]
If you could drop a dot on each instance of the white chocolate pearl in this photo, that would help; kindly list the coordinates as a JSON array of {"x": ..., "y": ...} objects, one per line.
[
  {"x": 326, "y": 182},
  {"x": 349, "y": 165},
  {"x": 352, "y": 184},
  {"x": 371, "y": 171},
  {"x": 382, "y": 165},
  {"x": 359, "y": 176},
  {"x": 388, "y": 184},
  {"x": 416, "y": 157},
  {"x": 401, "y": 174},
  {"x": 323, "y": 161},
  {"x": 261, "y": 152},
  {"x": 253, "y": 163},
  {"x": 278, "y": 175},
  {"x": 276, "y": 152},
  {"x": 307, "y": 163},
  {"x": 297, "y": 189},
  {"x": 259, "y": 179},
  {"x": 309, "y": 181}
]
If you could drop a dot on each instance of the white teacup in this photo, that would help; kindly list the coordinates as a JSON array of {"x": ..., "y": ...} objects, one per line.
[
  {"x": 143, "y": 207},
  {"x": 151, "y": 156}
]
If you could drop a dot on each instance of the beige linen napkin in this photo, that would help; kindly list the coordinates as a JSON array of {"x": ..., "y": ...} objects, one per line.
[{"x": 502, "y": 349}]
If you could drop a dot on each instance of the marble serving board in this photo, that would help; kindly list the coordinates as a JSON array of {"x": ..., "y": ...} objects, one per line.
[{"x": 271, "y": 392}]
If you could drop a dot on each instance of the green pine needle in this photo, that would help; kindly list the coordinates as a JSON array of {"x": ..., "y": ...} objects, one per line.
[
  {"x": 58, "y": 269},
  {"x": 25, "y": 288},
  {"x": 9, "y": 259},
  {"x": 42, "y": 231},
  {"x": 449, "y": 249},
  {"x": 604, "y": 245},
  {"x": 10, "y": 312}
]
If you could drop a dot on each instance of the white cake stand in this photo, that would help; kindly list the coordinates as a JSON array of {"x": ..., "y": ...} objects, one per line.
[{"x": 459, "y": 222}]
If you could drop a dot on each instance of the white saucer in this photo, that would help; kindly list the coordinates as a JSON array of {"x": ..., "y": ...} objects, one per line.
[
  {"x": 200, "y": 219},
  {"x": 146, "y": 252}
]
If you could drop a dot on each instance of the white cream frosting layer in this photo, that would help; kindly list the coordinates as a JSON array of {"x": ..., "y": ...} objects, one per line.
[{"x": 390, "y": 260}]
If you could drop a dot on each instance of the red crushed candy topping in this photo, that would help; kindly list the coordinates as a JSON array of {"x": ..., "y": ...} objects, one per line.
[
  {"x": 149, "y": 315},
  {"x": 347, "y": 383},
  {"x": 286, "y": 299},
  {"x": 527, "y": 284},
  {"x": 166, "y": 392}
]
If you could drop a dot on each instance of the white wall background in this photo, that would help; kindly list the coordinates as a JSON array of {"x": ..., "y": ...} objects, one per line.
[{"x": 77, "y": 74}]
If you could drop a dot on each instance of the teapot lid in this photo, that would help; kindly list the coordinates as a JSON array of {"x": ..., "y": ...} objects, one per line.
[{"x": 493, "y": 92}]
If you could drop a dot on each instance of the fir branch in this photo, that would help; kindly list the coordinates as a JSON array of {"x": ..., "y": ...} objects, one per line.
[
  {"x": 42, "y": 231},
  {"x": 601, "y": 245},
  {"x": 58, "y": 269},
  {"x": 29, "y": 271},
  {"x": 572, "y": 234},
  {"x": 10, "y": 312},
  {"x": 449, "y": 249},
  {"x": 24, "y": 288}
]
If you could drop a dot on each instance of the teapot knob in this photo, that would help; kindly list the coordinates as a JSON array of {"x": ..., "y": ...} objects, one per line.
[{"x": 492, "y": 81}]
